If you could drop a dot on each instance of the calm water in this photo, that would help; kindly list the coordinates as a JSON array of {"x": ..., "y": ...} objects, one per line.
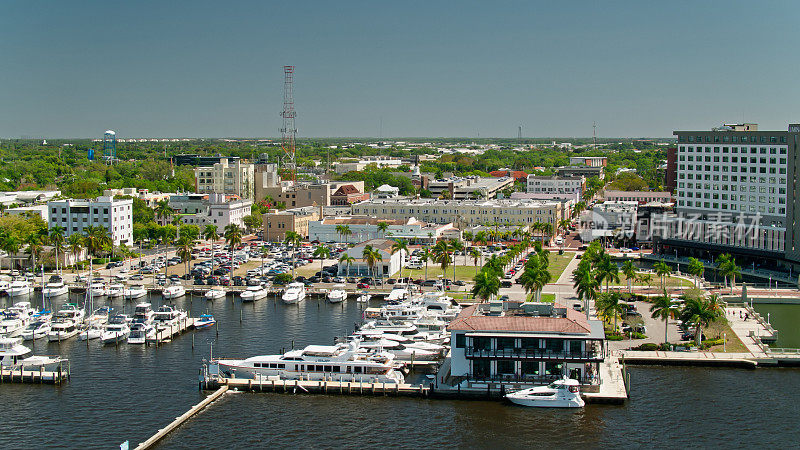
[
  {"x": 131, "y": 391},
  {"x": 785, "y": 319}
]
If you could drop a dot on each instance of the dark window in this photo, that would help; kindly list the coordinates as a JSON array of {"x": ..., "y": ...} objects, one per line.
[
  {"x": 461, "y": 340},
  {"x": 505, "y": 367},
  {"x": 505, "y": 343},
  {"x": 574, "y": 346},
  {"x": 554, "y": 345},
  {"x": 480, "y": 368},
  {"x": 529, "y": 368},
  {"x": 553, "y": 368},
  {"x": 481, "y": 343}
]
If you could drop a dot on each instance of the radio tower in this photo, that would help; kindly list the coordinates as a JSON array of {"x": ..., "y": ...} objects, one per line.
[{"x": 289, "y": 132}]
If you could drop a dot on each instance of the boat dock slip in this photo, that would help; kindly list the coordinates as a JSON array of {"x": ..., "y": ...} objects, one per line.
[
  {"x": 34, "y": 376},
  {"x": 317, "y": 387},
  {"x": 181, "y": 419},
  {"x": 166, "y": 334}
]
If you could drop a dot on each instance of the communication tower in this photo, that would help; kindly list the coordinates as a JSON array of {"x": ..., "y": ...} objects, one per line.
[
  {"x": 110, "y": 146},
  {"x": 289, "y": 132}
]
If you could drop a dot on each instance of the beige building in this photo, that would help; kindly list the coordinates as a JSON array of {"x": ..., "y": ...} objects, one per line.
[
  {"x": 226, "y": 177},
  {"x": 465, "y": 212},
  {"x": 303, "y": 194},
  {"x": 277, "y": 223}
]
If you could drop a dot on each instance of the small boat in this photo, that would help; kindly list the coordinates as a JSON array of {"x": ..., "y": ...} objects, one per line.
[
  {"x": 337, "y": 294},
  {"x": 205, "y": 321},
  {"x": 564, "y": 393},
  {"x": 363, "y": 298},
  {"x": 116, "y": 330},
  {"x": 399, "y": 292},
  {"x": 294, "y": 293},
  {"x": 66, "y": 323},
  {"x": 99, "y": 317},
  {"x": 92, "y": 332},
  {"x": 19, "y": 288},
  {"x": 253, "y": 293},
  {"x": 98, "y": 290},
  {"x": 115, "y": 290},
  {"x": 134, "y": 292},
  {"x": 141, "y": 332},
  {"x": 36, "y": 330},
  {"x": 55, "y": 287},
  {"x": 174, "y": 290},
  {"x": 12, "y": 352},
  {"x": 215, "y": 294}
]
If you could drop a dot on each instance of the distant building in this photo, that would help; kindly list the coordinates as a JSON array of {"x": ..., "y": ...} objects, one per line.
[
  {"x": 523, "y": 342},
  {"x": 75, "y": 216},
  {"x": 22, "y": 197},
  {"x": 212, "y": 209},
  {"x": 671, "y": 170},
  {"x": 616, "y": 220},
  {"x": 386, "y": 267},
  {"x": 277, "y": 223},
  {"x": 517, "y": 175},
  {"x": 591, "y": 161},
  {"x": 637, "y": 196},
  {"x": 151, "y": 198},
  {"x": 365, "y": 228},
  {"x": 379, "y": 161},
  {"x": 198, "y": 160},
  {"x": 226, "y": 177},
  {"x": 537, "y": 184},
  {"x": 580, "y": 171},
  {"x": 386, "y": 191},
  {"x": 39, "y": 210},
  {"x": 347, "y": 195},
  {"x": 464, "y": 188}
]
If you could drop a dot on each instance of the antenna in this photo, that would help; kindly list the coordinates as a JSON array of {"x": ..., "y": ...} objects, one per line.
[
  {"x": 519, "y": 132},
  {"x": 289, "y": 132},
  {"x": 594, "y": 133}
]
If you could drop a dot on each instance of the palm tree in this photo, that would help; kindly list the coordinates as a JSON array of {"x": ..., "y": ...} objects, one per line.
[
  {"x": 486, "y": 284},
  {"x": 663, "y": 271},
  {"x": 382, "y": 227},
  {"x": 210, "y": 233},
  {"x": 56, "y": 237},
  {"x": 293, "y": 238},
  {"x": 662, "y": 309},
  {"x": 606, "y": 269},
  {"x": 184, "y": 247},
  {"x": 456, "y": 246},
  {"x": 723, "y": 261},
  {"x": 729, "y": 269},
  {"x": 75, "y": 245},
  {"x": 535, "y": 276},
  {"x": 96, "y": 239},
  {"x": 401, "y": 246},
  {"x": 347, "y": 259},
  {"x": 645, "y": 278},
  {"x": 476, "y": 255},
  {"x": 346, "y": 232},
  {"x": 629, "y": 270},
  {"x": 371, "y": 256},
  {"x": 585, "y": 283},
  {"x": 340, "y": 230},
  {"x": 697, "y": 269},
  {"x": 699, "y": 313},
  {"x": 610, "y": 305},
  {"x": 426, "y": 254},
  {"x": 564, "y": 224},
  {"x": 441, "y": 256},
  {"x": 34, "y": 241},
  {"x": 163, "y": 210},
  {"x": 233, "y": 237},
  {"x": 322, "y": 252}
]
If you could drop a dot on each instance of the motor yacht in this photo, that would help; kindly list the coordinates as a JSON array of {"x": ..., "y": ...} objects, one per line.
[
  {"x": 134, "y": 292},
  {"x": 175, "y": 290},
  {"x": 54, "y": 287},
  {"x": 294, "y": 293},
  {"x": 36, "y": 330},
  {"x": 90, "y": 332},
  {"x": 400, "y": 351},
  {"x": 20, "y": 288},
  {"x": 98, "y": 290},
  {"x": 143, "y": 313},
  {"x": 342, "y": 362},
  {"x": 99, "y": 317},
  {"x": 337, "y": 294},
  {"x": 167, "y": 316},
  {"x": 12, "y": 352},
  {"x": 11, "y": 324},
  {"x": 141, "y": 332},
  {"x": 564, "y": 393},
  {"x": 66, "y": 323},
  {"x": 116, "y": 330},
  {"x": 205, "y": 321},
  {"x": 215, "y": 294},
  {"x": 399, "y": 292},
  {"x": 253, "y": 293},
  {"x": 115, "y": 290}
]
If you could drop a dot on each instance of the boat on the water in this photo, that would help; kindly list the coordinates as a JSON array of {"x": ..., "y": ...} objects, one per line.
[
  {"x": 337, "y": 294},
  {"x": 205, "y": 321},
  {"x": 174, "y": 290},
  {"x": 563, "y": 393},
  {"x": 90, "y": 332},
  {"x": 294, "y": 293},
  {"x": 115, "y": 290},
  {"x": 36, "y": 330},
  {"x": 66, "y": 323},
  {"x": 116, "y": 330},
  {"x": 342, "y": 362},
  {"x": 363, "y": 298},
  {"x": 253, "y": 293},
  {"x": 54, "y": 287},
  {"x": 215, "y": 294},
  {"x": 141, "y": 332},
  {"x": 134, "y": 292},
  {"x": 20, "y": 288}
]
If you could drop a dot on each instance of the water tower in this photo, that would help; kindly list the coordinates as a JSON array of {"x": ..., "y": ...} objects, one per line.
[{"x": 110, "y": 145}]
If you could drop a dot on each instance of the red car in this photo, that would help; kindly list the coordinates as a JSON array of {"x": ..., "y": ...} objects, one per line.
[{"x": 362, "y": 286}]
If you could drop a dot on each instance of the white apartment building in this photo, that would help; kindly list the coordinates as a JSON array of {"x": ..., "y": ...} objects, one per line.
[
  {"x": 75, "y": 216},
  {"x": 211, "y": 209},
  {"x": 364, "y": 228},
  {"x": 464, "y": 212},
  {"x": 555, "y": 185},
  {"x": 226, "y": 177}
]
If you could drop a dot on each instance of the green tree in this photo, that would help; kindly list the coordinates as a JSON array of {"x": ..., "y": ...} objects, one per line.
[
  {"x": 606, "y": 269},
  {"x": 233, "y": 237},
  {"x": 184, "y": 247},
  {"x": 401, "y": 246},
  {"x": 322, "y": 252},
  {"x": 163, "y": 211},
  {"x": 75, "y": 245},
  {"x": 441, "y": 255},
  {"x": 57, "y": 240},
  {"x": 585, "y": 283},
  {"x": 382, "y": 227},
  {"x": 210, "y": 233},
  {"x": 629, "y": 270},
  {"x": 696, "y": 269},
  {"x": 663, "y": 271},
  {"x": 347, "y": 259},
  {"x": 699, "y": 313},
  {"x": 485, "y": 285},
  {"x": 662, "y": 309},
  {"x": 371, "y": 256},
  {"x": 609, "y": 305},
  {"x": 293, "y": 238}
]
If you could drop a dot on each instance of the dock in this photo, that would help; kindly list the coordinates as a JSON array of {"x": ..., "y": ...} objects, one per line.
[
  {"x": 327, "y": 386},
  {"x": 34, "y": 375},
  {"x": 181, "y": 419},
  {"x": 166, "y": 334}
]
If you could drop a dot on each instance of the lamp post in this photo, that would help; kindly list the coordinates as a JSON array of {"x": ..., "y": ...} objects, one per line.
[
  {"x": 677, "y": 262},
  {"x": 724, "y": 342}
]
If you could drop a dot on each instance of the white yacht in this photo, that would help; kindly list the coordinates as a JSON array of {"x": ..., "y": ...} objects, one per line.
[
  {"x": 12, "y": 352},
  {"x": 294, "y": 293},
  {"x": 115, "y": 290},
  {"x": 363, "y": 298},
  {"x": 343, "y": 362},
  {"x": 253, "y": 293},
  {"x": 134, "y": 292},
  {"x": 99, "y": 317},
  {"x": 215, "y": 294},
  {"x": 337, "y": 294},
  {"x": 564, "y": 393},
  {"x": 143, "y": 313},
  {"x": 116, "y": 330},
  {"x": 12, "y": 325},
  {"x": 4, "y": 285},
  {"x": 36, "y": 330},
  {"x": 399, "y": 292},
  {"x": 400, "y": 351},
  {"x": 20, "y": 288},
  {"x": 372, "y": 335},
  {"x": 66, "y": 323},
  {"x": 141, "y": 333},
  {"x": 98, "y": 290},
  {"x": 174, "y": 290},
  {"x": 54, "y": 287},
  {"x": 167, "y": 316},
  {"x": 90, "y": 332}
]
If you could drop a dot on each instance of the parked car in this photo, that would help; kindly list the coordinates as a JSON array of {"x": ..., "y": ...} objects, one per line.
[
  {"x": 362, "y": 286},
  {"x": 505, "y": 284}
]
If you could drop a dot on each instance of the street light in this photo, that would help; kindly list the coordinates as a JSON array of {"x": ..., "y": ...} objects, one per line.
[{"x": 724, "y": 342}]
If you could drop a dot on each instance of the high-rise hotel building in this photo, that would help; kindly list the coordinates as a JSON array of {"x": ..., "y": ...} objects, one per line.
[{"x": 736, "y": 194}]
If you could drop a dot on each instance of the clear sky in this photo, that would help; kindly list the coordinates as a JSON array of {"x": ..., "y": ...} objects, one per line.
[{"x": 429, "y": 68}]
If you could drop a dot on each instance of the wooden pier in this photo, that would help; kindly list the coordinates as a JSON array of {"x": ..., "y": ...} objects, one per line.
[
  {"x": 166, "y": 334},
  {"x": 34, "y": 375},
  {"x": 327, "y": 386}
]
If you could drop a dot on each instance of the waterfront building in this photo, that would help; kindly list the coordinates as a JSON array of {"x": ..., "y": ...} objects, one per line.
[
  {"x": 228, "y": 176},
  {"x": 212, "y": 209},
  {"x": 537, "y": 184},
  {"x": 388, "y": 265},
  {"x": 277, "y": 223},
  {"x": 524, "y": 342},
  {"x": 75, "y": 216},
  {"x": 364, "y": 228},
  {"x": 465, "y": 212}
]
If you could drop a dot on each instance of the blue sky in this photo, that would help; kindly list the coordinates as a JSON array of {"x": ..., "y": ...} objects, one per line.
[{"x": 214, "y": 69}]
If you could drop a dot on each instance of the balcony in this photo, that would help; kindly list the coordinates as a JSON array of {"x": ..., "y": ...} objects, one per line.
[{"x": 591, "y": 354}]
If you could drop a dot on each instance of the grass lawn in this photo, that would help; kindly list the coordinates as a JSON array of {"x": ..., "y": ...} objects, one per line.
[
  {"x": 655, "y": 281},
  {"x": 557, "y": 264},
  {"x": 462, "y": 272},
  {"x": 733, "y": 344}
]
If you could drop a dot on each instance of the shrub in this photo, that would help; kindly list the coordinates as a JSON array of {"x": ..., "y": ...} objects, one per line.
[
  {"x": 116, "y": 259},
  {"x": 648, "y": 347},
  {"x": 637, "y": 336},
  {"x": 282, "y": 278},
  {"x": 614, "y": 337}
]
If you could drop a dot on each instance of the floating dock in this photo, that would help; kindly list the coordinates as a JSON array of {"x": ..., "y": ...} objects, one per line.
[
  {"x": 328, "y": 386},
  {"x": 34, "y": 376},
  {"x": 166, "y": 334}
]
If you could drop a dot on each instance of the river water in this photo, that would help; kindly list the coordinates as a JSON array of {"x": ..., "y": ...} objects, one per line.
[{"x": 129, "y": 392}]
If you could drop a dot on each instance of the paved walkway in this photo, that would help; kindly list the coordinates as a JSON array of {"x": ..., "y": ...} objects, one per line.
[{"x": 746, "y": 329}]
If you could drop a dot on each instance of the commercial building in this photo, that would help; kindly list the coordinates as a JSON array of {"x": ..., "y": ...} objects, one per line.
[
  {"x": 151, "y": 198},
  {"x": 637, "y": 196},
  {"x": 537, "y": 184},
  {"x": 386, "y": 191},
  {"x": 39, "y": 210},
  {"x": 27, "y": 197},
  {"x": 591, "y": 161},
  {"x": 198, "y": 160},
  {"x": 364, "y": 228},
  {"x": 347, "y": 195},
  {"x": 277, "y": 223},
  {"x": 228, "y": 176},
  {"x": 463, "y": 188},
  {"x": 378, "y": 161},
  {"x": 736, "y": 194},
  {"x": 388, "y": 265},
  {"x": 298, "y": 195},
  {"x": 517, "y": 175},
  {"x": 524, "y": 342},
  {"x": 616, "y": 220},
  {"x": 580, "y": 171},
  {"x": 75, "y": 216},
  {"x": 671, "y": 170},
  {"x": 212, "y": 209},
  {"x": 465, "y": 212}
]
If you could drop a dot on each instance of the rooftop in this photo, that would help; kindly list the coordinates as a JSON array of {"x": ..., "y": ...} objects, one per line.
[
  {"x": 521, "y": 317},
  {"x": 494, "y": 203}
]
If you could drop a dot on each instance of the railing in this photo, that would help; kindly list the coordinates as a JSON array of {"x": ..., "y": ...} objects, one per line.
[
  {"x": 533, "y": 353},
  {"x": 529, "y": 378}
]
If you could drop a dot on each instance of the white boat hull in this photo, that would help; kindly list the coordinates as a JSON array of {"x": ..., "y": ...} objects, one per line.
[
  {"x": 337, "y": 297},
  {"x": 133, "y": 295},
  {"x": 215, "y": 294},
  {"x": 20, "y": 292},
  {"x": 91, "y": 333},
  {"x": 170, "y": 294},
  {"x": 115, "y": 337},
  {"x": 61, "y": 336},
  {"x": 250, "y": 296},
  {"x": 55, "y": 292}
]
